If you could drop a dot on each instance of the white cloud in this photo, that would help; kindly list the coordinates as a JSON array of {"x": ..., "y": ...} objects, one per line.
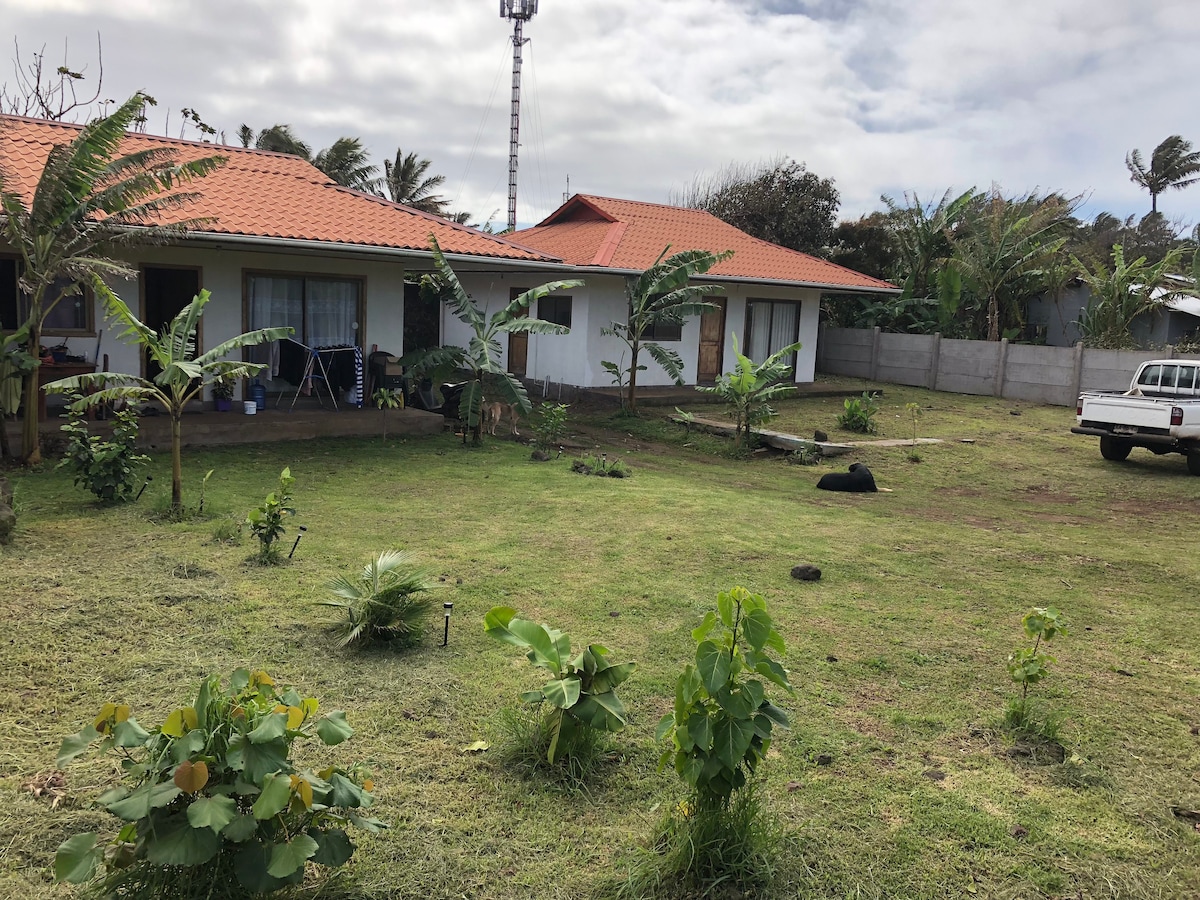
[{"x": 631, "y": 98}]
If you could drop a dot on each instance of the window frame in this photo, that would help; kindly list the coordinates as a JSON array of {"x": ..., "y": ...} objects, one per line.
[
  {"x": 86, "y": 299},
  {"x": 360, "y": 313},
  {"x": 750, "y": 301},
  {"x": 557, "y": 299}
]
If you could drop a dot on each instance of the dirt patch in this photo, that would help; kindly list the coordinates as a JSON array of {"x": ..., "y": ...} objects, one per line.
[{"x": 1042, "y": 493}]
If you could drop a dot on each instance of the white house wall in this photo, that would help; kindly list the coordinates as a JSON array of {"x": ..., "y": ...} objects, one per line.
[
  {"x": 222, "y": 274},
  {"x": 575, "y": 358}
]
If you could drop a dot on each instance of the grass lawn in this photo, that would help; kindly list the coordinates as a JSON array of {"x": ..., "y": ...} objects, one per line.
[{"x": 894, "y": 781}]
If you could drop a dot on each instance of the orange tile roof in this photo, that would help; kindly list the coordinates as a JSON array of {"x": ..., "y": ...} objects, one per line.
[
  {"x": 626, "y": 234},
  {"x": 267, "y": 195}
]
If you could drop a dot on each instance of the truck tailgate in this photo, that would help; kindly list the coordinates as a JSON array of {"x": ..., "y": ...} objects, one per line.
[{"x": 1140, "y": 412}]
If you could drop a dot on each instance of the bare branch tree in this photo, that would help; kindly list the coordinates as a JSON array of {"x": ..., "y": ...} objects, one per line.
[{"x": 45, "y": 93}]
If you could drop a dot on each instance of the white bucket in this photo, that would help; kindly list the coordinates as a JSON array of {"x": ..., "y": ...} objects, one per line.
[{"x": 250, "y": 408}]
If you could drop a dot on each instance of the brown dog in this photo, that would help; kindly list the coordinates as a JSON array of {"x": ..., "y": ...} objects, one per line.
[{"x": 494, "y": 412}]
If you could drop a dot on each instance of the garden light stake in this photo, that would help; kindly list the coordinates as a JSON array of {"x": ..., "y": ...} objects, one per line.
[
  {"x": 303, "y": 528},
  {"x": 149, "y": 478},
  {"x": 446, "y": 608}
]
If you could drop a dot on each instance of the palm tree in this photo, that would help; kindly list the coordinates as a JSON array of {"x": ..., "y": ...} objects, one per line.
[
  {"x": 182, "y": 378},
  {"x": 661, "y": 295},
  {"x": 1121, "y": 292},
  {"x": 86, "y": 201},
  {"x": 281, "y": 139},
  {"x": 346, "y": 162},
  {"x": 924, "y": 232},
  {"x": 245, "y": 134},
  {"x": 482, "y": 356},
  {"x": 384, "y": 603},
  {"x": 1173, "y": 164},
  {"x": 407, "y": 183}
]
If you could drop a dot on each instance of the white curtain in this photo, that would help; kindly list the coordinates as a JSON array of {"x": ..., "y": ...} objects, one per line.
[
  {"x": 759, "y": 337},
  {"x": 773, "y": 325},
  {"x": 785, "y": 323},
  {"x": 275, "y": 302},
  {"x": 332, "y": 313}
]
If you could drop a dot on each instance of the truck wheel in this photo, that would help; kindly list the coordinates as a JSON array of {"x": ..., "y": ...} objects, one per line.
[
  {"x": 1193, "y": 459},
  {"x": 1118, "y": 450}
]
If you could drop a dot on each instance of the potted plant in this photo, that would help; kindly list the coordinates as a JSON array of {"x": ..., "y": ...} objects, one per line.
[{"x": 222, "y": 391}]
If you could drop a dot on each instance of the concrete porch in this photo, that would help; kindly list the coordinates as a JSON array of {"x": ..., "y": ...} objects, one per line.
[{"x": 205, "y": 427}]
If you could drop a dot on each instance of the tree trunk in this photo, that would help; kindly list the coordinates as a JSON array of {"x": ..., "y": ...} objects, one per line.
[
  {"x": 993, "y": 318},
  {"x": 31, "y": 445},
  {"x": 631, "y": 405},
  {"x": 176, "y": 462}
]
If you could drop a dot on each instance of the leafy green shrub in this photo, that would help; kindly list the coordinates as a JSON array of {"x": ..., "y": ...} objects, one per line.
[
  {"x": 385, "y": 399},
  {"x": 914, "y": 412},
  {"x": 1028, "y": 666},
  {"x": 107, "y": 468},
  {"x": 385, "y": 602},
  {"x": 581, "y": 695},
  {"x": 717, "y": 736},
  {"x": 266, "y": 521},
  {"x": 216, "y": 807},
  {"x": 721, "y": 727},
  {"x": 549, "y": 426},
  {"x": 227, "y": 531},
  {"x": 859, "y": 414},
  {"x": 807, "y": 454},
  {"x": 600, "y": 465}
]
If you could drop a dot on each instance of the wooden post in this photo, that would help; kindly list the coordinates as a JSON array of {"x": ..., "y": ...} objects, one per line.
[
  {"x": 935, "y": 360},
  {"x": 1078, "y": 376},
  {"x": 1001, "y": 365}
]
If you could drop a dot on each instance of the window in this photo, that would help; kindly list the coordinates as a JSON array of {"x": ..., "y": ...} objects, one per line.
[
  {"x": 70, "y": 315},
  {"x": 323, "y": 312},
  {"x": 1149, "y": 376},
  {"x": 556, "y": 310},
  {"x": 770, "y": 326},
  {"x": 663, "y": 331}
]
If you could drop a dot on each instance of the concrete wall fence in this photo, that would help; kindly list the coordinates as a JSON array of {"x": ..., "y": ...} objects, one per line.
[{"x": 1052, "y": 375}]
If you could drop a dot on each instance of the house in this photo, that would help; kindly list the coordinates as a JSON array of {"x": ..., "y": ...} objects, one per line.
[
  {"x": 280, "y": 244},
  {"x": 772, "y": 294}
]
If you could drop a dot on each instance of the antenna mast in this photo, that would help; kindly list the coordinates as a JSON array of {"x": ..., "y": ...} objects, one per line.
[{"x": 520, "y": 12}]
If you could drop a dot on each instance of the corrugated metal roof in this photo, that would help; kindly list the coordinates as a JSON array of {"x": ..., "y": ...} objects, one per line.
[
  {"x": 268, "y": 195},
  {"x": 626, "y": 234}
]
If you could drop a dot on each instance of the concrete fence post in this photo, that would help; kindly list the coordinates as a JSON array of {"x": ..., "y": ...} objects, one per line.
[
  {"x": 821, "y": 346},
  {"x": 1001, "y": 365},
  {"x": 875, "y": 354},
  {"x": 935, "y": 360},
  {"x": 1077, "y": 379},
  {"x": 1169, "y": 351}
]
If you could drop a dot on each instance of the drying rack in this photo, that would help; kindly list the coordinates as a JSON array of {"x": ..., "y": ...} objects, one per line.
[{"x": 312, "y": 365}]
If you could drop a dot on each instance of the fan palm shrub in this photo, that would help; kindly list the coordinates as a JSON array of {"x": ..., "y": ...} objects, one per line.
[{"x": 387, "y": 602}]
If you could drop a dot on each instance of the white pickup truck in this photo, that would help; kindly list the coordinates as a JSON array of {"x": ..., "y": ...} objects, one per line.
[{"x": 1160, "y": 411}]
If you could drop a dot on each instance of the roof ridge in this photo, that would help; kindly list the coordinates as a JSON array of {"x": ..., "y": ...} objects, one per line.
[{"x": 162, "y": 138}]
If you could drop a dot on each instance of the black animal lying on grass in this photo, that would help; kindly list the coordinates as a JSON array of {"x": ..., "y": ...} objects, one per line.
[{"x": 857, "y": 480}]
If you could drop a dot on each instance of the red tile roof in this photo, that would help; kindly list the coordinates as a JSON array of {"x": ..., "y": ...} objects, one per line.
[
  {"x": 262, "y": 194},
  {"x": 625, "y": 234}
]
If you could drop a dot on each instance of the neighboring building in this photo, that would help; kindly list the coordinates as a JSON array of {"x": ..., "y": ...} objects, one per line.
[
  {"x": 1056, "y": 324},
  {"x": 772, "y": 294},
  {"x": 281, "y": 245}
]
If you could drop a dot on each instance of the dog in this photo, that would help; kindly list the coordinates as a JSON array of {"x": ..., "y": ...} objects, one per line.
[
  {"x": 858, "y": 480},
  {"x": 494, "y": 412}
]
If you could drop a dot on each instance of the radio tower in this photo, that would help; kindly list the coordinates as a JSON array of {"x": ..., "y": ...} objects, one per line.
[{"x": 520, "y": 12}]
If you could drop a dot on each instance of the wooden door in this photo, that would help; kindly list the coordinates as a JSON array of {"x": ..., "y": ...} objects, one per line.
[
  {"x": 712, "y": 343},
  {"x": 518, "y": 353}
]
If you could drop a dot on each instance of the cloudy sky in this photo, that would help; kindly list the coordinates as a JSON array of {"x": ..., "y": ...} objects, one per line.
[{"x": 632, "y": 99}]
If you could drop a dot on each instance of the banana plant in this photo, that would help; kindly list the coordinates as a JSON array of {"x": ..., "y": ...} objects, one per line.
[
  {"x": 749, "y": 390},
  {"x": 182, "y": 377},
  {"x": 582, "y": 691},
  {"x": 481, "y": 357}
]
